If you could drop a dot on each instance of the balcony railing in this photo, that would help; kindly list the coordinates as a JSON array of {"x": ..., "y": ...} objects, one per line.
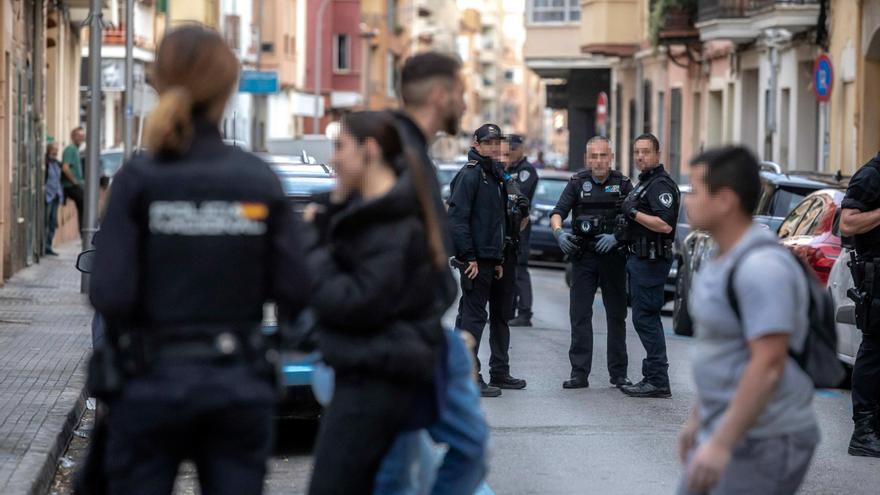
[
  {"x": 709, "y": 10},
  {"x": 760, "y": 6}
]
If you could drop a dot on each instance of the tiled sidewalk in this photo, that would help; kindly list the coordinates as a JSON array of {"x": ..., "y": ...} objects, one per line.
[{"x": 45, "y": 339}]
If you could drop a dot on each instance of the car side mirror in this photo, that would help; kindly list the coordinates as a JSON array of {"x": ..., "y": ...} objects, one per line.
[{"x": 85, "y": 261}]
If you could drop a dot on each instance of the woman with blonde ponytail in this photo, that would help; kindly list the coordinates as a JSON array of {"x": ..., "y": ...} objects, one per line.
[{"x": 197, "y": 237}]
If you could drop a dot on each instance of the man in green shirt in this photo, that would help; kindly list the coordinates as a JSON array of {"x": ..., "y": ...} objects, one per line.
[{"x": 72, "y": 179}]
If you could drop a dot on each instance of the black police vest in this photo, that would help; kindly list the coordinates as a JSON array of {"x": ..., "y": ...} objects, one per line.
[
  {"x": 599, "y": 200},
  {"x": 868, "y": 244},
  {"x": 639, "y": 199}
]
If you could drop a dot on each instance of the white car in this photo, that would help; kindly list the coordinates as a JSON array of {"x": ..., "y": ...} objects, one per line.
[{"x": 849, "y": 338}]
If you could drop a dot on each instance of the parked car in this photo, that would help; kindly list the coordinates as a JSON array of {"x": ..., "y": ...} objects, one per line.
[
  {"x": 551, "y": 183},
  {"x": 300, "y": 181},
  {"x": 808, "y": 231},
  {"x": 780, "y": 194},
  {"x": 849, "y": 337}
]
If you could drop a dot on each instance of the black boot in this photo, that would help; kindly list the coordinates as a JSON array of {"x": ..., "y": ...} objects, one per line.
[
  {"x": 865, "y": 440},
  {"x": 523, "y": 320}
]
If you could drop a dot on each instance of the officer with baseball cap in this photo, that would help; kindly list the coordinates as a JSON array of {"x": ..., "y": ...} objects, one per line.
[{"x": 478, "y": 221}]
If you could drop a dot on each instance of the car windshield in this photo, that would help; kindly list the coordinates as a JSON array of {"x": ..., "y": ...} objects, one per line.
[
  {"x": 549, "y": 190},
  {"x": 785, "y": 200},
  {"x": 295, "y": 185}
]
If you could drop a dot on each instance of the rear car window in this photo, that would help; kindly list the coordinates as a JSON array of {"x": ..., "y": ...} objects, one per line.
[{"x": 784, "y": 200}]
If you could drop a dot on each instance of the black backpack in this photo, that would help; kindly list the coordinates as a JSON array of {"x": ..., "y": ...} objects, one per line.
[{"x": 819, "y": 357}]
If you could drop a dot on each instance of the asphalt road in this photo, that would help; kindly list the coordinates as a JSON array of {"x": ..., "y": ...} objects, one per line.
[{"x": 546, "y": 440}]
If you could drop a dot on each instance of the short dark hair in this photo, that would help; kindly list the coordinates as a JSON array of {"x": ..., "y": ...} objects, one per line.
[
  {"x": 649, "y": 137},
  {"x": 76, "y": 129},
  {"x": 421, "y": 68},
  {"x": 735, "y": 168}
]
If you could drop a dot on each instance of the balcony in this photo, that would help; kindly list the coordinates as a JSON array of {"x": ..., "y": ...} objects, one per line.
[
  {"x": 793, "y": 15},
  {"x": 607, "y": 27},
  {"x": 725, "y": 20}
]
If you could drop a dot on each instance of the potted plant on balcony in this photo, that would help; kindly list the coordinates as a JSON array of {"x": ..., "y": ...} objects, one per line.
[{"x": 674, "y": 18}]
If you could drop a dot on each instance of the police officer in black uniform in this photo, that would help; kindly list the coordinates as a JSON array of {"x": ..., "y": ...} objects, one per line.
[
  {"x": 197, "y": 238},
  {"x": 652, "y": 213},
  {"x": 478, "y": 217},
  {"x": 860, "y": 219},
  {"x": 527, "y": 179},
  {"x": 595, "y": 195}
]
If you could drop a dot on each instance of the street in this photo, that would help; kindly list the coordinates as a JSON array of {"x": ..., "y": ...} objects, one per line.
[{"x": 546, "y": 440}]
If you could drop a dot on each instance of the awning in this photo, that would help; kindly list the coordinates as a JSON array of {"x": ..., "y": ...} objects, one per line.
[
  {"x": 303, "y": 105},
  {"x": 345, "y": 99}
]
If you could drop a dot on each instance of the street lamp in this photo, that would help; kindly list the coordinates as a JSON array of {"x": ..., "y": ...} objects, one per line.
[{"x": 319, "y": 38}]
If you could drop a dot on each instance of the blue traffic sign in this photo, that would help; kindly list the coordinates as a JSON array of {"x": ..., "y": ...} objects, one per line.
[
  {"x": 823, "y": 78},
  {"x": 258, "y": 82}
]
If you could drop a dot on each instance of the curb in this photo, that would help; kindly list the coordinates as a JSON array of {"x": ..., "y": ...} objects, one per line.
[{"x": 49, "y": 447}]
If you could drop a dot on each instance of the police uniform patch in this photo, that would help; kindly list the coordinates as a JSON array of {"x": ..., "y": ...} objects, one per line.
[
  {"x": 612, "y": 189},
  {"x": 587, "y": 187},
  {"x": 665, "y": 199},
  {"x": 524, "y": 175}
]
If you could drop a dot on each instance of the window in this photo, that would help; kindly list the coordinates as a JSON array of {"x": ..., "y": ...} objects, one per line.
[
  {"x": 232, "y": 31},
  {"x": 554, "y": 11},
  {"x": 790, "y": 225},
  {"x": 341, "y": 53}
]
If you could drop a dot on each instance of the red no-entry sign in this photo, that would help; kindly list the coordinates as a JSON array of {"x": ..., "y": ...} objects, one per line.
[{"x": 602, "y": 108}]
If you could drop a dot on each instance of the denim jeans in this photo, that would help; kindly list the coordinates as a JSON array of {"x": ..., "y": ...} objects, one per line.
[
  {"x": 51, "y": 223},
  {"x": 408, "y": 467}
]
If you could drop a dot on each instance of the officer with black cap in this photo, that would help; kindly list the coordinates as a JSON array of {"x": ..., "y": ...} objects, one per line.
[
  {"x": 860, "y": 218},
  {"x": 526, "y": 178},
  {"x": 478, "y": 206},
  {"x": 651, "y": 210},
  {"x": 595, "y": 195}
]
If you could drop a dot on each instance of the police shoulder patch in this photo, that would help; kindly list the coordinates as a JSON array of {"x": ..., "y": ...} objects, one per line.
[
  {"x": 472, "y": 164},
  {"x": 524, "y": 175},
  {"x": 665, "y": 199}
]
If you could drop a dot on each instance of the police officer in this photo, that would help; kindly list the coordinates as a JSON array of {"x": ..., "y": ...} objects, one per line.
[
  {"x": 526, "y": 178},
  {"x": 652, "y": 213},
  {"x": 860, "y": 218},
  {"x": 595, "y": 195},
  {"x": 197, "y": 238},
  {"x": 478, "y": 218}
]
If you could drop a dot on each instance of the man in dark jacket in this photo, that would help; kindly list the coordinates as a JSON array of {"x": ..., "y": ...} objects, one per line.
[{"x": 477, "y": 218}]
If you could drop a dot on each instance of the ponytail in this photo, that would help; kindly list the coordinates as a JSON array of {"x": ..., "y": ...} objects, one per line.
[{"x": 170, "y": 126}]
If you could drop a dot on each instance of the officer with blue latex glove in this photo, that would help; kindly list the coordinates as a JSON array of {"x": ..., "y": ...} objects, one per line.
[{"x": 594, "y": 197}]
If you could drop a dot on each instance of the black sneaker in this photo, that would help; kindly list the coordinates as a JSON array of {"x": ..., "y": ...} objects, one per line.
[
  {"x": 576, "y": 383},
  {"x": 521, "y": 321},
  {"x": 621, "y": 381},
  {"x": 645, "y": 389},
  {"x": 49, "y": 252},
  {"x": 507, "y": 382},
  {"x": 488, "y": 390}
]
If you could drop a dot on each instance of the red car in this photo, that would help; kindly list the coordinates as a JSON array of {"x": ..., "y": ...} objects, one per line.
[{"x": 808, "y": 231}]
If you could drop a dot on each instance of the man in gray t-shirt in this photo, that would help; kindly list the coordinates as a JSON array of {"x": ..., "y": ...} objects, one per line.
[{"x": 753, "y": 429}]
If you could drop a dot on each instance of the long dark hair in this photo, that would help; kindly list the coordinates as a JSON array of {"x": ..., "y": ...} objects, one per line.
[
  {"x": 195, "y": 73},
  {"x": 381, "y": 127}
]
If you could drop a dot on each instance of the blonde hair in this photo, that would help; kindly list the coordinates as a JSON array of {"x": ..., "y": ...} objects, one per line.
[{"x": 195, "y": 73}]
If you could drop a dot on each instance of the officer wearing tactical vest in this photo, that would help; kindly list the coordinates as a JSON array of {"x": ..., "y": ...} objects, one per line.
[
  {"x": 527, "y": 179},
  {"x": 860, "y": 218},
  {"x": 651, "y": 210},
  {"x": 595, "y": 196},
  {"x": 478, "y": 216}
]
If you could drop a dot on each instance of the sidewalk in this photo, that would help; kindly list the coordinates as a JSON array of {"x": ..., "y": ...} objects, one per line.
[{"x": 45, "y": 338}]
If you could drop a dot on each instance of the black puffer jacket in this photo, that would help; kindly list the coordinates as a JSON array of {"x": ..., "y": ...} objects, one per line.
[{"x": 375, "y": 288}]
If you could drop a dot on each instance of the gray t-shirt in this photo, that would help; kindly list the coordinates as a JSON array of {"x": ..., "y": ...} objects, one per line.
[{"x": 773, "y": 297}]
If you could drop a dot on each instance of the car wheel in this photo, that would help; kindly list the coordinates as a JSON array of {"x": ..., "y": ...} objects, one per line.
[{"x": 681, "y": 317}]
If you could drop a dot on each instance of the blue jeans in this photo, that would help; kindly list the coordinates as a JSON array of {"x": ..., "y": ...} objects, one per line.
[
  {"x": 461, "y": 426},
  {"x": 646, "y": 280}
]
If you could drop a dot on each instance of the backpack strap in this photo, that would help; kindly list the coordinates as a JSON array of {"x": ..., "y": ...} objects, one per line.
[{"x": 800, "y": 358}]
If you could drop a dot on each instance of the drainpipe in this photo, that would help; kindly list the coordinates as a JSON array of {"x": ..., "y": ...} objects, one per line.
[
  {"x": 128, "y": 119},
  {"x": 38, "y": 116}
]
